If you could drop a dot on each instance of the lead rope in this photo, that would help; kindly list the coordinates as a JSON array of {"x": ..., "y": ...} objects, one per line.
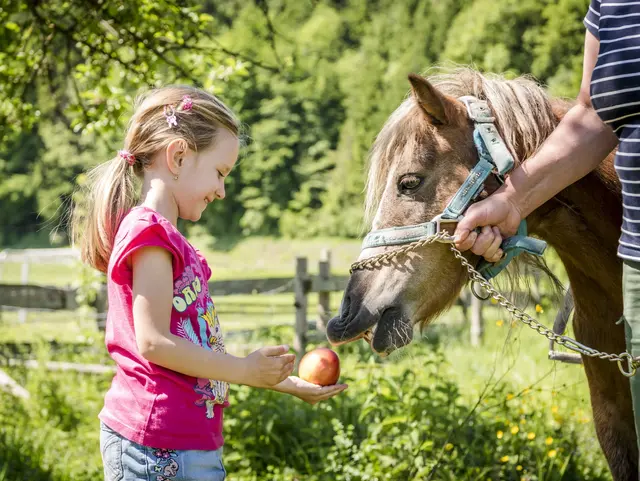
[{"x": 626, "y": 363}]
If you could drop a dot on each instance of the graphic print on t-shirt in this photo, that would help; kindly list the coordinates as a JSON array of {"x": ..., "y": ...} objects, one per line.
[{"x": 188, "y": 292}]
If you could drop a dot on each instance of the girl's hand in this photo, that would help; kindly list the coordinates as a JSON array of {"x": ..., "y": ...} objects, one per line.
[
  {"x": 268, "y": 366},
  {"x": 308, "y": 392}
]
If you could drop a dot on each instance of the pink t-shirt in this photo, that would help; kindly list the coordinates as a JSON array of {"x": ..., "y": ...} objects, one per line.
[{"x": 147, "y": 403}]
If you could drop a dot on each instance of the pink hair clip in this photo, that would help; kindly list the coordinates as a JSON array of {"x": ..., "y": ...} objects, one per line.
[
  {"x": 128, "y": 156},
  {"x": 170, "y": 114},
  {"x": 187, "y": 103}
]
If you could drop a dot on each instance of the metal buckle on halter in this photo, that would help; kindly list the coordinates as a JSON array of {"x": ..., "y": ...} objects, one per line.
[
  {"x": 478, "y": 110},
  {"x": 439, "y": 221}
]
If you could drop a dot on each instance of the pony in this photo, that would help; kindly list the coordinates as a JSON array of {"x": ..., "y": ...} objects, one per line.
[{"x": 419, "y": 159}]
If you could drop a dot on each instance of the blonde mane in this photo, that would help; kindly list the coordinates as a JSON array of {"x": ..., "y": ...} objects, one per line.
[{"x": 522, "y": 108}]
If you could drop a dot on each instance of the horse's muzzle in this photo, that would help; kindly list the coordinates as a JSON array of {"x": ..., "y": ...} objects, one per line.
[{"x": 384, "y": 332}]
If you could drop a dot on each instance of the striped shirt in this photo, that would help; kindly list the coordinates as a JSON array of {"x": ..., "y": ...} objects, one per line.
[{"x": 615, "y": 95}]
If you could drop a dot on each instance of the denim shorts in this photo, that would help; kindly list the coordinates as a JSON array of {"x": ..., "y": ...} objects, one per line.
[{"x": 125, "y": 460}]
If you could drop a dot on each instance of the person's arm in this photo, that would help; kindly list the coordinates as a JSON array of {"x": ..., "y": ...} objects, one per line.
[
  {"x": 152, "y": 304},
  {"x": 580, "y": 142},
  {"x": 576, "y": 147}
]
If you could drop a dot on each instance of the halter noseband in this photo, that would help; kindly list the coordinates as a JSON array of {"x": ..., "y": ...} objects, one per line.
[{"x": 493, "y": 158}]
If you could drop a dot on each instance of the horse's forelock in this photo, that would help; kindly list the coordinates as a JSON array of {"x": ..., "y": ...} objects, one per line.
[
  {"x": 388, "y": 141},
  {"x": 522, "y": 108}
]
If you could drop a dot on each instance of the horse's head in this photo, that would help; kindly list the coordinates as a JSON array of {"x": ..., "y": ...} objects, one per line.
[{"x": 420, "y": 158}]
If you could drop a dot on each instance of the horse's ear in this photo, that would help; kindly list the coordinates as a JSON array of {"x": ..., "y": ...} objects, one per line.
[{"x": 432, "y": 102}]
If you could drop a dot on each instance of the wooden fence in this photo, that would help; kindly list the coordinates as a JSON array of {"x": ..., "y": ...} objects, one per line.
[
  {"x": 30, "y": 296},
  {"x": 27, "y": 257}
]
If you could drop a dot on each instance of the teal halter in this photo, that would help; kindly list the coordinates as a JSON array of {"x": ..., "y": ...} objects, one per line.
[{"x": 493, "y": 157}]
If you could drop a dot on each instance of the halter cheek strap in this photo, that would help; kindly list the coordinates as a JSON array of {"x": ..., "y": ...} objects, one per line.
[{"x": 493, "y": 158}]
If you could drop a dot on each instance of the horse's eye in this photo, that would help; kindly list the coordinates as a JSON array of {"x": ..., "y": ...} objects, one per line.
[{"x": 409, "y": 183}]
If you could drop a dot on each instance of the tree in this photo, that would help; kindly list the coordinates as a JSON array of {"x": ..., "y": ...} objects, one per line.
[
  {"x": 313, "y": 83},
  {"x": 559, "y": 47},
  {"x": 79, "y": 64}
]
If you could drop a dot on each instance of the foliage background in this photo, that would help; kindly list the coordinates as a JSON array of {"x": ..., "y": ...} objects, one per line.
[{"x": 313, "y": 82}]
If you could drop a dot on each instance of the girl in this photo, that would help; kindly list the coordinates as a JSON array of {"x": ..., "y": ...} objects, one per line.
[{"x": 162, "y": 416}]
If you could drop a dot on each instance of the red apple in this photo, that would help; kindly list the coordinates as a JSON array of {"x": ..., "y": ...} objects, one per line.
[{"x": 320, "y": 366}]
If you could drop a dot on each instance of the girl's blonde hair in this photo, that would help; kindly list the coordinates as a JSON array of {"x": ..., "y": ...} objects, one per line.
[{"x": 111, "y": 190}]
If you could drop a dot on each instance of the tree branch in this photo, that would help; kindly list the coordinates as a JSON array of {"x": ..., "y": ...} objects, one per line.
[
  {"x": 245, "y": 58},
  {"x": 155, "y": 51},
  {"x": 262, "y": 5}
]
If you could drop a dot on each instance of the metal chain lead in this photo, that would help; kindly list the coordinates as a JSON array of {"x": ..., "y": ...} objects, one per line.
[
  {"x": 384, "y": 258},
  {"x": 626, "y": 363}
]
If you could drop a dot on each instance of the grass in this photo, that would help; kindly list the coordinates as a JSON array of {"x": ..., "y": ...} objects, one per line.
[
  {"x": 542, "y": 406},
  {"x": 513, "y": 354},
  {"x": 275, "y": 257}
]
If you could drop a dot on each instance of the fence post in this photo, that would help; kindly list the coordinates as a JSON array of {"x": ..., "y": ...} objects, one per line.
[
  {"x": 101, "y": 307},
  {"x": 324, "y": 297},
  {"x": 3, "y": 256},
  {"x": 477, "y": 322},
  {"x": 7, "y": 383},
  {"x": 300, "y": 288},
  {"x": 24, "y": 278},
  {"x": 463, "y": 302}
]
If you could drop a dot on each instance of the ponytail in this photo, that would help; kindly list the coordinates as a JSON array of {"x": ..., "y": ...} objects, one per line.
[{"x": 109, "y": 194}]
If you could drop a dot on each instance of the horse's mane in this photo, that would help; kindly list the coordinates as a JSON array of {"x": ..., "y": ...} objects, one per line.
[{"x": 524, "y": 116}]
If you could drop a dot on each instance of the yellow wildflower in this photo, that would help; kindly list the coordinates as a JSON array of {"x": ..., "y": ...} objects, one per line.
[
  {"x": 531, "y": 436},
  {"x": 539, "y": 309},
  {"x": 518, "y": 468},
  {"x": 499, "y": 322},
  {"x": 504, "y": 459},
  {"x": 448, "y": 447},
  {"x": 515, "y": 429},
  {"x": 552, "y": 453},
  {"x": 499, "y": 434},
  {"x": 548, "y": 441},
  {"x": 510, "y": 397},
  {"x": 554, "y": 409}
]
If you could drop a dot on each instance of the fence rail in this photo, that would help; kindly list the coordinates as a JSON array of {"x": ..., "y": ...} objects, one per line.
[{"x": 31, "y": 296}]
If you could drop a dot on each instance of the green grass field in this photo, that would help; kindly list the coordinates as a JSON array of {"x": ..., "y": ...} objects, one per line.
[{"x": 511, "y": 354}]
